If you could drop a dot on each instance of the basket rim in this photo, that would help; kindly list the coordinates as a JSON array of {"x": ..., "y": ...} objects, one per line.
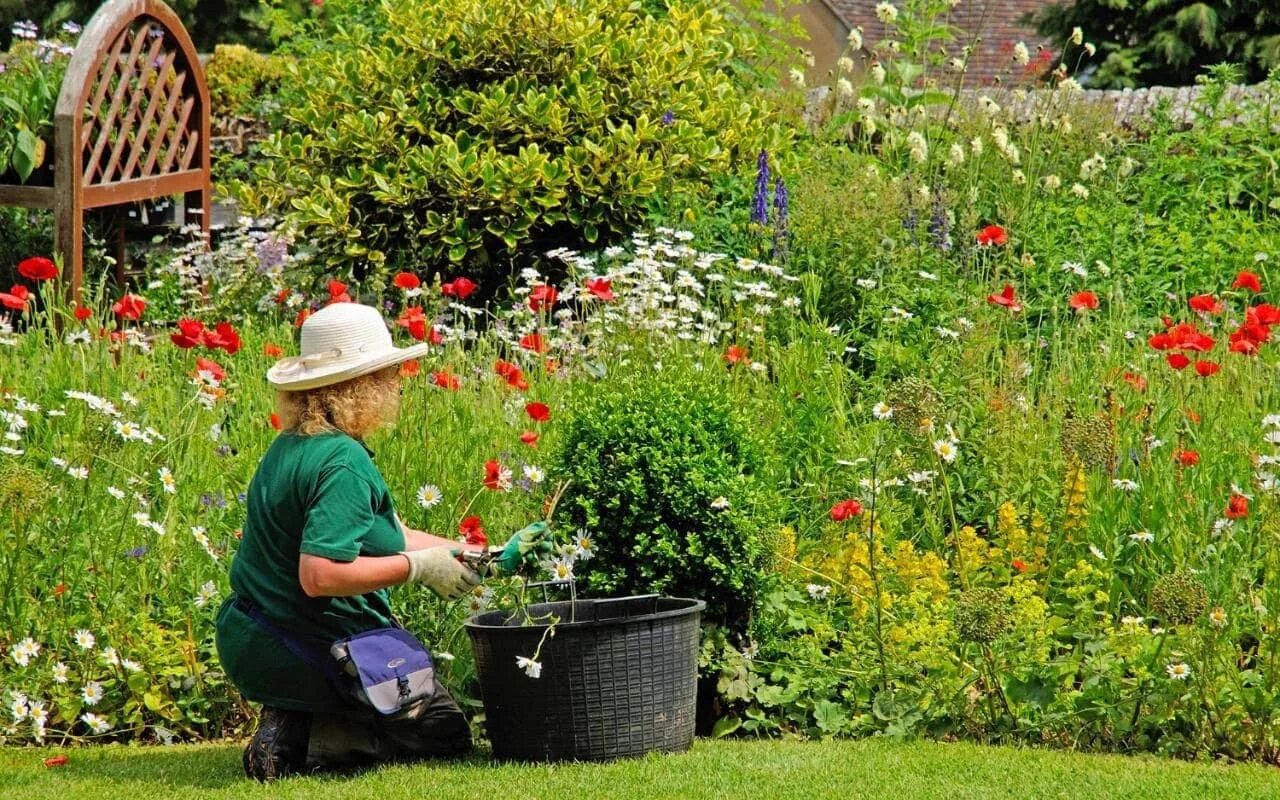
[{"x": 694, "y": 606}]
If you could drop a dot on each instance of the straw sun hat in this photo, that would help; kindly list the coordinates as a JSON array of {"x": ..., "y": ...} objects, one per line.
[{"x": 339, "y": 342}]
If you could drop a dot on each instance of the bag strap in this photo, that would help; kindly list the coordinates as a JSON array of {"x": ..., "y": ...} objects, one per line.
[{"x": 319, "y": 661}]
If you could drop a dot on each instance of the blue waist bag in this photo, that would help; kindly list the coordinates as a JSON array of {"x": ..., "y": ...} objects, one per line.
[{"x": 386, "y": 669}]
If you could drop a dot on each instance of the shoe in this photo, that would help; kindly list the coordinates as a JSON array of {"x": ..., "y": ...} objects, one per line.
[{"x": 279, "y": 748}]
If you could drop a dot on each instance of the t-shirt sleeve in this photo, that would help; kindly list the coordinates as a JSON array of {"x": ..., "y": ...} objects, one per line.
[{"x": 339, "y": 516}]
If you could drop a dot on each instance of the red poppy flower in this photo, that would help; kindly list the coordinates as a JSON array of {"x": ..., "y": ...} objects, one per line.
[
  {"x": 513, "y": 375},
  {"x": 223, "y": 337},
  {"x": 493, "y": 475},
  {"x": 282, "y": 296},
  {"x": 542, "y": 297},
  {"x": 413, "y": 320},
  {"x": 272, "y": 350},
  {"x": 60, "y": 590},
  {"x": 131, "y": 306},
  {"x": 190, "y": 334},
  {"x": 446, "y": 380},
  {"x": 1243, "y": 345},
  {"x": 992, "y": 235},
  {"x": 470, "y": 528},
  {"x": 473, "y": 534},
  {"x": 736, "y": 354},
  {"x": 1183, "y": 336},
  {"x": 16, "y": 298},
  {"x": 59, "y": 760},
  {"x": 1191, "y": 416},
  {"x": 434, "y": 336},
  {"x": 1262, "y": 314},
  {"x": 1205, "y": 304},
  {"x": 1084, "y": 301},
  {"x": 409, "y": 369},
  {"x": 81, "y": 313},
  {"x": 530, "y": 438},
  {"x": 1206, "y": 368},
  {"x": 551, "y": 366},
  {"x": 301, "y": 318},
  {"x": 1186, "y": 458},
  {"x": 406, "y": 280},
  {"x": 535, "y": 342},
  {"x": 460, "y": 288},
  {"x": 601, "y": 288},
  {"x": 1018, "y": 565},
  {"x": 1247, "y": 280},
  {"x": 1136, "y": 381},
  {"x": 37, "y": 268},
  {"x": 845, "y": 509},
  {"x": 538, "y": 411},
  {"x": 1237, "y": 507},
  {"x": 1007, "y": 298},
  {"x": 212, "y": 367},
  {"x": 1177, "y": 360},
  {"x": 338, "y": 292},
  {"x": 274, "y": 419}
]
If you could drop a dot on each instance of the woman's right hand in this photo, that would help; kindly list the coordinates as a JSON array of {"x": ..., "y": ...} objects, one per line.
[{"x": 441, "y": 571}]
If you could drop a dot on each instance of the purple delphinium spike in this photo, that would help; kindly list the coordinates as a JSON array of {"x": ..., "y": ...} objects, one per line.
[{"x": 760, "y": 203}]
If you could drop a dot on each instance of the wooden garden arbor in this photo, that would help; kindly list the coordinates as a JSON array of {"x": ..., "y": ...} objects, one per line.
[{"x": 131, "y": 124}]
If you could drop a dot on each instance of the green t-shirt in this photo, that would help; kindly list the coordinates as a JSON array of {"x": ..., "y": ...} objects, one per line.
[{"x": 320, "y": 495}]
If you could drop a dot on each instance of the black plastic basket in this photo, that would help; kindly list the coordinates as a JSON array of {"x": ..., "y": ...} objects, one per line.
[{"x": 618, "y": 680}]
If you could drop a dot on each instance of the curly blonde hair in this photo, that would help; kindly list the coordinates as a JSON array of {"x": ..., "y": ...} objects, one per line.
[{"x": 356, "y": 407}]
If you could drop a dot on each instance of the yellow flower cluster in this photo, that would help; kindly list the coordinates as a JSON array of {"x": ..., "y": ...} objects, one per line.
[
  {"x": 972, "y": 552},
  {"x": 1019, "y": 545},
  {"x": 1075, "y": 512},
  {"x": 904, "y": 572}
]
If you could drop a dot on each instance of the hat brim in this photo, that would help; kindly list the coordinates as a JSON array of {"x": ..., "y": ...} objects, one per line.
[{"x": 327, "y": 375}]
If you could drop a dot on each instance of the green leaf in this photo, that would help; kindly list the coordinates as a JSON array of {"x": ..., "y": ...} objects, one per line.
[
  {"x": 725, "y": 726},
  {"x": 831, "y": 717},
  {"x": 26, "y": 154}
]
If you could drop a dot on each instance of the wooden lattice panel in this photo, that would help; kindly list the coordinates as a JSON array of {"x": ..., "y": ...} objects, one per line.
[{"x": 138, "y": 119}]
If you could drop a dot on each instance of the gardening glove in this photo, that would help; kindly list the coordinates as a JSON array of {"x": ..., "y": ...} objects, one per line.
[
  {"x": 525, "y": 546},
  {"x": 442, "y": 572}
]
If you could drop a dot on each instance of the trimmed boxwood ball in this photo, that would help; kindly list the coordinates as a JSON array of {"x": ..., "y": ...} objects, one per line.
[{"x": 648, "y": 458}]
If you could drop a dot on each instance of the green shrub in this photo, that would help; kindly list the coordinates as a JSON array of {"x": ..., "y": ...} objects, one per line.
[
  {"x": 416, "y": 131},
  {"x": 239, "y": 78},
  {"x": 650, "y": 463}
]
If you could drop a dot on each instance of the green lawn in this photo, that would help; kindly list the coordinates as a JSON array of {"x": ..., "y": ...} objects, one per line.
[{"x": 738, "y": 769}]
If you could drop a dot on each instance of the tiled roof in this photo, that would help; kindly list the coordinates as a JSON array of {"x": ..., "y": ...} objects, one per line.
[{"x": 997, "y": 22}]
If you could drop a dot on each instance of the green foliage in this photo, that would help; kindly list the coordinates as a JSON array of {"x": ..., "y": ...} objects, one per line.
[
  {"x": 210, "y": 22},
  {"x": 30, "y": 79},
  {"x": 416, "y": 133},
  {"x": 669, "y": 481},
  {"x": 1167, "y": 42},
  {"x": 239, "y": 79},
  {"x": 1178, "y": 598}
]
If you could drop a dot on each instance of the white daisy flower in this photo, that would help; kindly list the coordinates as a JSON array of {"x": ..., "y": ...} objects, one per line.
[
  {"x": 98, "y": 725},
  {"x": 116, "y": 493},
  {"x": 1098, "y": 554},
  {"x": 818, "y": 591},
  {"x": 1178, "y": 670},
  {"x": 720, "y": 503},
  {"x": 882, "y": 410},
  {"x": 59, "y": 672},
  {"x": 429, "y": 495},
  {"x": 167, "y": 481},
  {"x": 92, "y": 693},
  {"x": 84, "y": 639},
  {"x": 945, "y": 449},
  {"x": 531, "y": 668},
  {"x": 1124, "y": 485},
  {"x": 534, "y": 474},
  {"x": 1144, "y": 537}
]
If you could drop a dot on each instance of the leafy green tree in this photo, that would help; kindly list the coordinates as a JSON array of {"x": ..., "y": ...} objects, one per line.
[
  {"x": 1165, "y": 42},
  {"x": 209, "y": 22}
]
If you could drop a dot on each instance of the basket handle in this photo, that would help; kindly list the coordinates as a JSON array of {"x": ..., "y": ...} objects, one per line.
[{"x": 651, "y": 601}]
